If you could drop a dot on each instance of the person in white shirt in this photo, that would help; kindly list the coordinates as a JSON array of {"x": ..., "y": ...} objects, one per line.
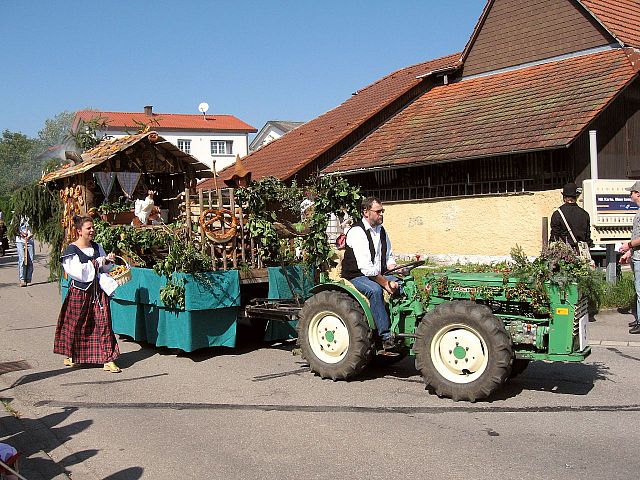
[{"x": 368, "y": 254}]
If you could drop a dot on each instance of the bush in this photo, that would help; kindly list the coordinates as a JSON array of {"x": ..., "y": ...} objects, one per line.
[{"x": 621, "y": 294}]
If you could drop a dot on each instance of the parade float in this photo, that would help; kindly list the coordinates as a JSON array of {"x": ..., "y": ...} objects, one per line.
[{"x": 189, "y": 273}]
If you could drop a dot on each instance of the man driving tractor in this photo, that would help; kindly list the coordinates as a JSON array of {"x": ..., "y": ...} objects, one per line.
[{"x": 368, "y": 255}]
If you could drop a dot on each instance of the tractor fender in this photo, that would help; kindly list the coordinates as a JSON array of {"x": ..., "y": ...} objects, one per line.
[{"x": 346, "y": 286}]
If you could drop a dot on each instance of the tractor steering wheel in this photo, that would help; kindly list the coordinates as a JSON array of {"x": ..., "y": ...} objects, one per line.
[{"x": 408, "y": 267}]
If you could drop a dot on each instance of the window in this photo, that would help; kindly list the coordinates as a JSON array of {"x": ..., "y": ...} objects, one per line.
[
  {"x": 221, "y": 147},
  {"x": 184, "y": 145}
]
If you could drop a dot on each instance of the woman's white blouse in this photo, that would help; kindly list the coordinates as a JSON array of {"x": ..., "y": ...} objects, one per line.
[{"x": 84, "y": 272}]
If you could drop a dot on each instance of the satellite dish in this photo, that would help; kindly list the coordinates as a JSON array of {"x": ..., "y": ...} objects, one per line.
[{"x": 203, "y": 107}]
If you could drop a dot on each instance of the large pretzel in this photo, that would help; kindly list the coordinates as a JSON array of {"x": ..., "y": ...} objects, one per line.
[{"x": 219, "y": 225}]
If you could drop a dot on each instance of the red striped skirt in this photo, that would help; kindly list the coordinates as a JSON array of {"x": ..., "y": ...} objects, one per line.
[{"x": 84, "y": 330}]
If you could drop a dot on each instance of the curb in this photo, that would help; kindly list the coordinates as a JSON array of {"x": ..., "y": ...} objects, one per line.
[{"x": 613, "y": 343}]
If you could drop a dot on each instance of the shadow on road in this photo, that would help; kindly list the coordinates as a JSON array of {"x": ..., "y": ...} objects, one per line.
[
  {"x": 557, "y": 378},
  {"x": 131, "y": 473}
]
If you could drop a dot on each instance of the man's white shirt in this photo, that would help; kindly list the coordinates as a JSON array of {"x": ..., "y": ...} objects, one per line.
[{"x": 357, "y": 240}]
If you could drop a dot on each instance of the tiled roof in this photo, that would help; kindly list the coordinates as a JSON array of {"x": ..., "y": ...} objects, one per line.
[
  {"x": 533, "y": 108},
  {"x": 620, "y": 17},
  {"x": 286, "y": 155},
  {"x": 284, "y": 125},
  {"x": 168, "y": 121},
  {"x": 109, "y": 148}
]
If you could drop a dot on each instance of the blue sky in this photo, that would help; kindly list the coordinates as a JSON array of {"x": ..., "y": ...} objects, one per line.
[{"x": 257, "y": 60}]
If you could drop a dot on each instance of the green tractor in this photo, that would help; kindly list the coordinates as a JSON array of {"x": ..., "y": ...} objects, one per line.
[{"x": 469, "y": 332}]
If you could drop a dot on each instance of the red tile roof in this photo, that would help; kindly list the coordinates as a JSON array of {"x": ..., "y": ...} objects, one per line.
[
  {"x": 534, "y": 108},
  {"x": 291, "y": 152},
  {"x": 168, "y": 121},
  {"x": 620, "y": 17}
]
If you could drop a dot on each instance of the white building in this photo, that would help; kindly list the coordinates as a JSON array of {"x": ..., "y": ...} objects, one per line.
[
  {"x": 209, "y": 138},
  {"x": 272, "y": 130}
]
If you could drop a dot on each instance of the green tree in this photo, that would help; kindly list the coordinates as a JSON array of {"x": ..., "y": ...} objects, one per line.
[
  {"x": 16, "y": 165},
  {"x": 55, "y": 130}
]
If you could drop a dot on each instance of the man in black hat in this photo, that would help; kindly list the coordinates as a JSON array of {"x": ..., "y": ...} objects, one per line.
[
  {"x": 570, "y": 216},
  {"x": 631, "y": 253}
]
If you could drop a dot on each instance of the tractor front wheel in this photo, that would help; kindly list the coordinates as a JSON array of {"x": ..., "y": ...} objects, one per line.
[
  {"x": 463, "y": 351},
  {"x": 334, "y": 335}
]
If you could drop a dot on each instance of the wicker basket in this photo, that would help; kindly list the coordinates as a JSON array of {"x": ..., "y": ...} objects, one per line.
[{"x": 125, "y": 276}]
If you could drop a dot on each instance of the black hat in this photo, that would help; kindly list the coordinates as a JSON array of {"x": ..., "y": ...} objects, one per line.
[{"x": 570, "y": 190}]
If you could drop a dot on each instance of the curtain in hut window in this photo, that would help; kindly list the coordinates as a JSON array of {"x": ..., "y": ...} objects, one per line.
[
  {"x": 105, "y": 180},
  {"x": 128, "y": 181}
]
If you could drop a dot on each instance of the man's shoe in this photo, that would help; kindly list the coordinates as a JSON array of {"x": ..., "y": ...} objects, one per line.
[
  {"x": 388, "y": 344},
  {"x": 633, "y": 324},
  {"x": 23, "y": 284},
  {"x": 635, "y": 329}
]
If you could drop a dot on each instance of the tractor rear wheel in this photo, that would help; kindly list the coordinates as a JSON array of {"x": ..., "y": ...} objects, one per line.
[
  {"x": 463, "y": 351},
  {"x": 334, "y": 335}
]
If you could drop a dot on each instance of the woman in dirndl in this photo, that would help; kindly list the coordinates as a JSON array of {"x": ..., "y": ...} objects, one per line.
[{"x": 84, "y": 333}]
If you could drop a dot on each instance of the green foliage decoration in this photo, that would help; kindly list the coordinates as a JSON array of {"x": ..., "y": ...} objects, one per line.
[
  {"x": 269, "y": 200},
  {"x": 557, "y": 265},
  {"x": 44, "y": 210}
]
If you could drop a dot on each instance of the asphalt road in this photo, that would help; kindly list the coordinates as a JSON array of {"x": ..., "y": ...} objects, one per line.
[{"x": 257, "y": 411}]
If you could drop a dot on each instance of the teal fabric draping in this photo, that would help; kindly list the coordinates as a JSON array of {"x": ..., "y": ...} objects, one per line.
[
  {"x": 212, "y": 304},
  {"x": 301, "y": 279}
]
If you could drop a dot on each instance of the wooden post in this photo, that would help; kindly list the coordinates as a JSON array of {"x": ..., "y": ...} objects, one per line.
[
  {"x": 203, "y": 236},
  {"x": 224, "y": 245},
  {"x": 545, "y": 232},
  {"x": 234, "y": 241},
  {"x": 187, "y": 212}
]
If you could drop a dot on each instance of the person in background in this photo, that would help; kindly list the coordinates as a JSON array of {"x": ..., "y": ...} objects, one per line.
[
  {"x": 84, "y": 333},
  {"x": 143, "y": 209},
  {"x": 631, "y": 254},
  {"x": 4, "y": 241},
  {"x": 576, "y": 218},
  {"x": 26, "y": 251},
  {"x": 367, "y": 256}
]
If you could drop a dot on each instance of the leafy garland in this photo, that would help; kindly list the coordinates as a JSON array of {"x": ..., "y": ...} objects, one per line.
[
  {"x": 557, "y": 265},
  {"x": 183, "y": 256},
  {"x": 330, "y": 194},
  {"x": 44, "y": 210}
]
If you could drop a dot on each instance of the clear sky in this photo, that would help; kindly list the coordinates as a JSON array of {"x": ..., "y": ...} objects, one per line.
[{"x": 257, "y": 60}]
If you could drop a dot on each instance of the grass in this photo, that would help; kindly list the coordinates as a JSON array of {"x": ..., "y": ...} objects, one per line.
[{"x": 621, "y": 294}]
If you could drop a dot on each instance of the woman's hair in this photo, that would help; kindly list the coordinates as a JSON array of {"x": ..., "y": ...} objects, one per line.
[{"x": 79, "y": 220}]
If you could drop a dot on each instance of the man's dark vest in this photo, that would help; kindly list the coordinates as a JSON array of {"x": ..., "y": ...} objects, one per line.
[
  {"x": 350, "y": 265},
  {"x": 84, "y": 258}
]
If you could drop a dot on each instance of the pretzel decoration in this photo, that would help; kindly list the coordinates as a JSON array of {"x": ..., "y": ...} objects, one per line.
[{"x": 219, "y": 225}]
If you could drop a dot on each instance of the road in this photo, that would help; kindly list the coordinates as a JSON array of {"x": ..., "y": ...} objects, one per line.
[{"x": 257, "y": 412}]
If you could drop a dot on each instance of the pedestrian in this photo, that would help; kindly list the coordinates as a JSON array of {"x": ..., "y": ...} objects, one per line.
[
  {"x": 84, "y": 333},
  {"x": 367, "y": 256},
  {"x": 631, "y": 254},
  {"x": 26, "y": 251},
  {"x": 570, "y": 223}
]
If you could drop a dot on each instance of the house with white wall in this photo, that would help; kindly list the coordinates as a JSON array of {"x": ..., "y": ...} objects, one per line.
[
  {"x": 271, "y": 131},
  {"x": 212, "y": 139}
]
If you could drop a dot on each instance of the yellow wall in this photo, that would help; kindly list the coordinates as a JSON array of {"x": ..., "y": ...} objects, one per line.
[{"x": 472, "y": 225}]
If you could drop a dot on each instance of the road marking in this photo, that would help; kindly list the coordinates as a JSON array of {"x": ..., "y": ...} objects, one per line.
[{"x": 339, "y": 408}]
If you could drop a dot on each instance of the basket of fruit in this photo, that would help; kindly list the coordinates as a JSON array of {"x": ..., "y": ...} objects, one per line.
[{"x": 121, "y": 273}]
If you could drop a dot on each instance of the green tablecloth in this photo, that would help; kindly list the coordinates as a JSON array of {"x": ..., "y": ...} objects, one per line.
[
  {"x": 301, "y": 280},
  {"x": 212, "y": 303}
]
